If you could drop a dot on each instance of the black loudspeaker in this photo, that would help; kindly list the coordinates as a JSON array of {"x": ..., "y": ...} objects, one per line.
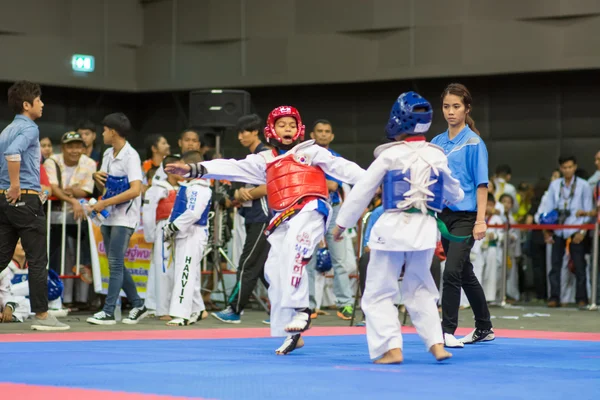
[{"x": 218, "y": 108}]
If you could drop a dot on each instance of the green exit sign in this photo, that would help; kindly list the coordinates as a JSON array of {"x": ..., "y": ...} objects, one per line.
[{"x": 82, "y": 63}]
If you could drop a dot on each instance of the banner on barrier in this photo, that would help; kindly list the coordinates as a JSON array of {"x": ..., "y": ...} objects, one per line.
[{"x": 137, "y": 261}]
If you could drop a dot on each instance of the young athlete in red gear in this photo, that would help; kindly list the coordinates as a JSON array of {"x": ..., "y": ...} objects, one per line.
[{"x": 297, "y": 191}]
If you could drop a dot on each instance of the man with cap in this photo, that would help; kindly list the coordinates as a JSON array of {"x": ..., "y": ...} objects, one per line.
[{"x": 70, "y": 174}]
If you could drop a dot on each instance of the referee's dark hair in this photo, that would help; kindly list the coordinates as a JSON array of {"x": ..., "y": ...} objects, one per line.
[
  {"x": 249, "y": 123},
  {"x": 119, "y": 122}
]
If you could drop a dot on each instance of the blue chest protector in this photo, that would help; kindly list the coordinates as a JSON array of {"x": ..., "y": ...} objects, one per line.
[
  {"x": 115, "y": 185},
  {"x": 395, "y": 186},
  {"x": 180, "y": 207},
  {"x": 55, "y": 285}
]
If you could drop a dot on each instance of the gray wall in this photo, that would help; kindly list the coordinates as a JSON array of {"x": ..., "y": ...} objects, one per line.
[{"x": 157, "y": 45}]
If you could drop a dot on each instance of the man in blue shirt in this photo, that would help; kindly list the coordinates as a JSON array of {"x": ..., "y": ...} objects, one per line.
[
  {"x": 21, "y": 210},
  {"x": 322, "y": 133},
  {"x": 571, "y": 198}
]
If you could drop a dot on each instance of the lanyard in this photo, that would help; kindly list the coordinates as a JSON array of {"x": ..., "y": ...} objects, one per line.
[{"x": 569, "y": 198}]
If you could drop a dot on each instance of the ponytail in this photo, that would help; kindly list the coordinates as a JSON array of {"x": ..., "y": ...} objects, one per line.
[
  {"x": 471, "y": 123},
  {"x": 460, "y": 90}
]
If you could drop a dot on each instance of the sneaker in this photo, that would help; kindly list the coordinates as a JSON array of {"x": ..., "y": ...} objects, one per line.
[
  {"x": 345, "y": 312},
  {"x": 102, "y": 318},
  {"x": 478, "y": 335},
  {"x": 266, "y": 321},
  {"x": 452, "y": 342},
  {"x": 136, "y": 315},
  {"x": 228, "y": 316},
  {"x": 48, "y": 324}
]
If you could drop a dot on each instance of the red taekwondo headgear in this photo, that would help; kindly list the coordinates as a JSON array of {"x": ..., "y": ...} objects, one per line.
[{"x": 280, "y": 112}]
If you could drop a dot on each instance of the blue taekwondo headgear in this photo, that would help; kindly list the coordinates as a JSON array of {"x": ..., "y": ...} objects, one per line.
[
  {"x": 403, "y": 119},
  {"x": 323, "y": 260},
  {"x": 549, "y": 218},
  {"x": 55, "y": 285}
]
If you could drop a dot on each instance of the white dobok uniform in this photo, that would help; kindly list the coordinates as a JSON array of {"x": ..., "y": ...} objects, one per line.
[
  {"x": 16, "y": 294},
  {"x": 190, "y": 242},
  {"x": 294, "y": 241},
  {"x": 160, "y": 275},
  {"x": 399, "y": 238}
]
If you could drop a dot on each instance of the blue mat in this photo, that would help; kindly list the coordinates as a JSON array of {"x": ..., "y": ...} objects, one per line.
[{"x": 327, "y": 368}]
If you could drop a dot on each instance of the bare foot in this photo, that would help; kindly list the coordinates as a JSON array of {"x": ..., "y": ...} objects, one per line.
[
  {"x": 7, "y": 315},
  {"x": 439, "y": 352},
  {"x": 165, "y": 318},
  {"x": 203, "y": 315},
  {"x": 283, "y": 351},
  {"x": 393, "y": 356}
]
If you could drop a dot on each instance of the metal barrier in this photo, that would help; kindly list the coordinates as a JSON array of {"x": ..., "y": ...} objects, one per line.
[
  {"x": 594, "y": 271},
  {"x": 63, "y": 223}
]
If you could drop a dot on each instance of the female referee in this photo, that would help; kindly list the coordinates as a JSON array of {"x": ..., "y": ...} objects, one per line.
[{"x": 468, "y": 161}]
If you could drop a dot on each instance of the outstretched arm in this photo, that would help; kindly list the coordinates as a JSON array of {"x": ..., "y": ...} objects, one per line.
[
  {"x": 362, "y": 193},
  {"x": 251, "y": 169},
  {"x": 338, "y": 167}
]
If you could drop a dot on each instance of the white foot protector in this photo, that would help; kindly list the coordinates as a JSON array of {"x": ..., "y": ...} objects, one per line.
[
  {"x": 300, "y": 322},
  {"x": 289, "y": 344},
  {"x": 452, "y": 342}
]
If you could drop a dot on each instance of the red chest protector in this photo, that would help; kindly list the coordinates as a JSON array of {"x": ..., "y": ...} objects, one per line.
[
  {"x": 165, "y": 206},
  {"x": 289, "y": 181}
]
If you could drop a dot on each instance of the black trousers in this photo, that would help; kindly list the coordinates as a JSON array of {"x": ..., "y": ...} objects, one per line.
[
  {"x": 459, "y": 273},
  {"x": 538, "y": 263},
  {"x": 578, "y": 257},
  {"x": 26, "y": 220},
  {"x": 252, "y": 265}
]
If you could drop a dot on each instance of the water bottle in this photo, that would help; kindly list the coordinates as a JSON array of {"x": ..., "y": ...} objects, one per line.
[
  {"x": 98, "y": 218},
  {"x": 118, "y": 310}
]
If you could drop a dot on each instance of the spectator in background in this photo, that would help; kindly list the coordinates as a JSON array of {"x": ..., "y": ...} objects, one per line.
[
  {"x": 555, "y": 175},
  {"x": 571, "y": 197},
  {"x": 256, "y": 215},
  {"x": 189, "y": 140},
  {"x": 503, "y": 185},
  {"x": 524, "y": 197},
  {"x": 87, "y": 130},
  {"x": 150, "y": 175},
  {"x": 46, "y": 145},
  {"x": 157, "y": 148},
  {"x": 537, "y": 244},
  {"x": 595, "y": 178},
  {"x": 70, "y": 174},
  {"x": 121, "y": 175},
  {"x": 21, "y": 211}
]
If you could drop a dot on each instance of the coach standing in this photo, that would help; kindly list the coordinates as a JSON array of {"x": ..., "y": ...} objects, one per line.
[{"x": 21, "y": 210}]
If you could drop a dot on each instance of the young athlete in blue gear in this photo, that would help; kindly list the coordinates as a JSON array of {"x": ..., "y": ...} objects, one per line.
[{"x": 416, "y": 183}]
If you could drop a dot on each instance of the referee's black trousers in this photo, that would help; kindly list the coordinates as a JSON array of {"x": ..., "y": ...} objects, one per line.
[
  {"x": 26, "y": 220},
  {"x": 458, "y": 273}
]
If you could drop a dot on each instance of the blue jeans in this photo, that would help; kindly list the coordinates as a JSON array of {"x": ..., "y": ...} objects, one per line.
[{"x": 116, "y": 242}]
